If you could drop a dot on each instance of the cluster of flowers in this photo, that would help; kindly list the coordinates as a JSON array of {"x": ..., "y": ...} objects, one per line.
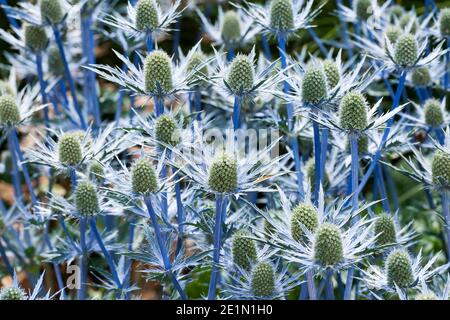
[{"x": 143, "y": 188}]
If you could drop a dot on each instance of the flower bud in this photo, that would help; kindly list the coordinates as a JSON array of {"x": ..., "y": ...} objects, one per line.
[
  {"x": 314, "y": 85},
  {"x": 51, "y": 11},
  {"x": 69, "y": 149},
  {"x": 353, "y": 112},
  {"x": 385, "y": 229},
  {"x": 244, "y": 250},
  {"x": 143, "y": 177},
  {"x": 310, "y": 168},
  {"x": 241, "y": 75},
  {"x": 406, "y": 51},
  {"x": 55, "y": 63},
  {"x": 146, "y": 15},
  {"x": 263, "y": 280},
  {"x": 158, "y": 72},
  {"x": 9, "y": 112},
  {"x": 440, "y": 168},
  {"x": 331, "y": 73},
  {"x": 96, "y": 170},
  {"x": 86, "y": 199},
  {"x": 399, "y": 268},
  {"x": 35, "y": 38},
  {"x": 281, "y": 15},
  {"x": 421, "y": 77},
  {"x": 231, "y": 27},
  {"x": 328, "y": 247},
  {"x": 444, "y": 22},
  {"x": 12, "y": 293},
  {"x": 397, "y": 11},
  {"x": 197, "y": 65},
  {"x": 434, "y": 116},
  {"x": 166, "y": 130},
  {"x": 303, "y": 215},
  {"x": 392, "y": 33},
  {"x": 363, "y": 9},
  {"x": 223, "y": 175}
]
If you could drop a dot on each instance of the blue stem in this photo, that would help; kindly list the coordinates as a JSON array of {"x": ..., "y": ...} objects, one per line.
[
  {"x": 176, "y": 39},
  {"x": 446, "y": 213},
  {"x": 69, "y": 76},
  {"x": 6, "y": 259},
  {"x": 159, "y": 106},
  {"x": 381, "y": 186},
  {"x": 266, "y": 47},
  {"x": 230, "y": 54},
  {"x": 311, "y": 285},
  {"x": 11, "y": 21},
  {"x": 217, "y": 245},
  {"x": 329, "y": 285},
  {"x": 149, "y": 42},
  {"x": 180, "y": 215},
  {"x": 17, "y": 183},
  {"x": 391, "y": 187},
  {"x": 344, "y": 33},
  {"x": 162, "y": 247},
  {"x": 42, "y": 87},
  {"x": 323, "y": 155},
  {"x": 317, "y": 162},
  {"x": 83, "y": 260},
  {"x": 198, "y": 103},
  {"x": 236, "y": 113}
]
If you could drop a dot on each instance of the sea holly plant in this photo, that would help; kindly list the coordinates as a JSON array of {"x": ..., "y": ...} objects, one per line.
[{"x": 280, "y": 149}]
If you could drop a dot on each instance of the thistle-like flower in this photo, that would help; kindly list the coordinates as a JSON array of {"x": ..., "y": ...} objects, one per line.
[{"x": 244, "y": 249}]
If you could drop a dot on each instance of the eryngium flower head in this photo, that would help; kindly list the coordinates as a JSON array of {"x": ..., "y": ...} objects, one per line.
[
  {"x": 241, "y": 75},
  {"x": 421, "y": 77},
  {"x": 399, "y": 268},
  {"x": 35, "y": 38},
  {"x": 392, "y": 33},
  {"x": 303, "y": 215},
  {"x": 12, "y": 293},
  {"x": 143, "y": 177},
  {"x": 196, "y": 65},
  {"x": 231, "y": 27},
  {"x": 51, "y": 10},
  {"x": 434, "y": 116},
  {"x": 146, "y": 15},
  {"x": 406, "y": 51},
  {"x": 405, "y": 20},
  {"x": 223, "y": 174},
  {"x": 244, "y": 250},
  {"x": 331, "y": 73},
  {"x": 281, "y": 15},
  {"x": 363, "y": 9},
  {"x": 86, "y": 199},
  {"x": 96, "y": 170},
  {"x": 9, "y": 112},
  {"x": 328, "y": 249},
  {"x": 263, "y": 280},
  {"x": 444, "y": 22},
  {"x": 69, "y": 149},
  {"x": 440, "y": 168},
  {"x": 166, "y": 130},
  {"x": 158, "y": 72},
  {"x": 353, "y": 112},
  {"x": 314, "y": 85},
  {"x": 310, "y": 168},
  {"x": 385, "y": 229}
]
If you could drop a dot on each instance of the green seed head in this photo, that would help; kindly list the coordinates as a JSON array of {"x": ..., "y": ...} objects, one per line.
[
  {"x": 281, "y": 15},
  {"x": 146, "y": 15},
  {"x": 223, "y": 176},
  {"x": 397, "y": 11},
  {"x": 35, "y": 38},
  {"x": 241, "y": 75},
  {"x": 196, "y": 65},
  {"x": 86, "y": 199},
  {"x": 392, "y": 33},
  {"x": 421, "y": 77},
  {"x": 444, "y": 22},
  {"x": 399, "y": 269},
  {"x": 353, "y": 112},
  {"x": 331, "y": 73},
  {"x": 12, "y": 293},
  {"x": 426, "y": 296},
  {"x": 434, "y": 116},
  {"x": 263, "y": 280},
  {"x": 303, "y": 215},
  {"x": 314, "y": 85},
  {"x": 51, "y": 10},
  {"x": 244, "y": 250},
  {"x": 440, "y": 168},
  {"x": 69, "y": 149},
  {"x": 328, "y": 248},
  {"x": 166, "y": 130},
  {"x": 363, "y": 9},
  {"x": 96, "y": 170},
  {"x": 9, "y": 112},
  {"x": 406, "y": 50},
  {"x": 143, "y": 177},
  {"x": 231, "y": 27},
  {"x": 385, "y": 228},
  {"x": 405, "y": 21},
  {"x": 310, "y": 168},
  {"x": 158, "y": 72},
  {"x": 55, "y": 63}
]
